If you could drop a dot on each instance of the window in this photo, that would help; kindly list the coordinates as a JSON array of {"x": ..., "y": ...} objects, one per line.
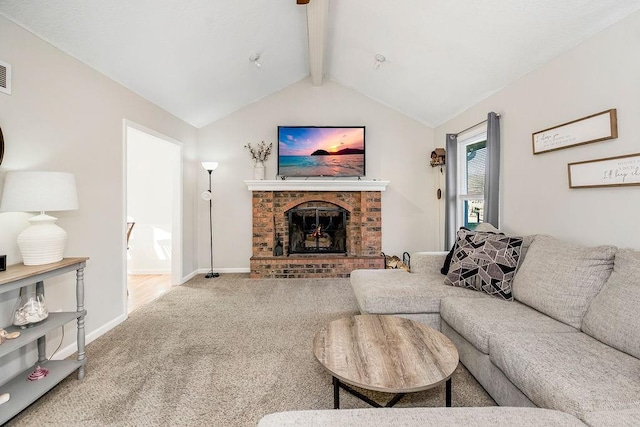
[
  {"x": 472, "y": 178},
  {"x": 472, "y": 162}
]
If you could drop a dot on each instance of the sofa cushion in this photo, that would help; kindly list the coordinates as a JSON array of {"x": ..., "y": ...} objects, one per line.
[
  {"x": 478, "y": 319},
  {"x": 484, "y": 262},
  {"x": 474, "y": 417},
  {"x": 574, "y": 373},
  {"x": 487, "y": 227},
  {"x": 427, "y": 262},
  {"x": 397, "y": 291},
  {"x": 561, "y": 279},
  {"x": 621, "y": 418},
  {"x": 613, "y": 317}
]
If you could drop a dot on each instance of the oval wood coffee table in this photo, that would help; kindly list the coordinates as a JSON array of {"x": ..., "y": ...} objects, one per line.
[{"x": 384, "y": 353}]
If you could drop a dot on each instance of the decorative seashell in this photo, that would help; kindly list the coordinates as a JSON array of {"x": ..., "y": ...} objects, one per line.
[
  {"x": 31, "y": 309},
  {"x": 13, "y": 335},
  {"x": 4, "y": 398},
  {"x": 38, "y": 374},
  {"x": 33, "y": 317}
]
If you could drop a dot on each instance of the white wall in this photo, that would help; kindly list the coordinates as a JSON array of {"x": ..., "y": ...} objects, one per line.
[
  {"x": 63, "y": 115},
  {"x": 151, "y": 201},
  {"x": 397, "y": 149},
  {"x": 601, "y": 73}
]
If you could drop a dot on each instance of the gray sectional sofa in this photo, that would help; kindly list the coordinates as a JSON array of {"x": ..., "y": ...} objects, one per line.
[
  {"x": 569, "y": 341},
  {"x": 419, "y": 417}
]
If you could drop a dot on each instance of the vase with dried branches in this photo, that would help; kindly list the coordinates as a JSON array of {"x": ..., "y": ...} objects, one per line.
[{"x": 259, "y": 154}]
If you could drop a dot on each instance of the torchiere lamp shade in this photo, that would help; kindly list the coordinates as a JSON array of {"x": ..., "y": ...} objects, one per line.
[{"x": 210, "y": 166}]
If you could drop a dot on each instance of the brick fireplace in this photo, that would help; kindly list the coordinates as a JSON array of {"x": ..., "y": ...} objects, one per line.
[{"x": 273, "y": 202}]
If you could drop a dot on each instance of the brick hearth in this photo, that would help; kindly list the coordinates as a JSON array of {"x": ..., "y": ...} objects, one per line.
[{"x": 364, "y": 234}]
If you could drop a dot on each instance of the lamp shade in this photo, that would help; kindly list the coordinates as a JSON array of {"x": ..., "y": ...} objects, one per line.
[
  {"x": 31, "y": 191},
  {"x": 210, "y": 166},
  {"x": 43, "y": 241}
]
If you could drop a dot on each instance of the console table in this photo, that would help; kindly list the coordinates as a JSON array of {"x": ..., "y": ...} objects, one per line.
[{"x": 24, "y": 392}]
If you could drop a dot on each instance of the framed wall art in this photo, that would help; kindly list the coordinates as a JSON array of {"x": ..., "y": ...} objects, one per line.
[
  {"x": 611, "y": 171},
  {"x": 596, "y": 127}
]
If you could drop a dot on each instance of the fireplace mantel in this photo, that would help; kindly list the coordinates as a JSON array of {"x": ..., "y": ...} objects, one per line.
[{"x": 315, "y": 185}]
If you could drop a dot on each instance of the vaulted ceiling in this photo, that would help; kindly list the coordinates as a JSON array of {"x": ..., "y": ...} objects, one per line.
[{"x": 192, "y": 57}]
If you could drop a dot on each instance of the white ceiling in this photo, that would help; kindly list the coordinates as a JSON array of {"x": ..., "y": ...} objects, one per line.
[{"x": 191, "y": 57}]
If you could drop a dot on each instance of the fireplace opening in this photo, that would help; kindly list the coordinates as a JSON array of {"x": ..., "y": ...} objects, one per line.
[{"x": 317, "y": 230}]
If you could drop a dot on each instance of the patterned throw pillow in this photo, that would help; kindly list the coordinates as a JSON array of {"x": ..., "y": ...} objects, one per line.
[
  {"x": 484, "y": 262},
  {"x": 447, "y": 260}
]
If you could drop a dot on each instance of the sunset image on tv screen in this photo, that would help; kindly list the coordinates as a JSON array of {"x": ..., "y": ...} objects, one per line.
[{"x": 321, "y": 151}]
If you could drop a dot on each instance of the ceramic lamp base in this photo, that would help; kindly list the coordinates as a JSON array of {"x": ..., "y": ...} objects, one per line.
[{"x": 42, "y": 242}]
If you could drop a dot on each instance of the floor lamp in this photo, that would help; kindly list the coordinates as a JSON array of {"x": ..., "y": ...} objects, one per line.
[{"x": 206, "y": 195}]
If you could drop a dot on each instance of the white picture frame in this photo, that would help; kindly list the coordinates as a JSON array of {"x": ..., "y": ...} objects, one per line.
[
  {"x": 596, "y": 127},
  {"x": 608, "y": 172}
]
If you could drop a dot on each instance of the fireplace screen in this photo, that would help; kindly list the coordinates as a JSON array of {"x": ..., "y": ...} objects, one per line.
[{"x": 317, "y": 230}]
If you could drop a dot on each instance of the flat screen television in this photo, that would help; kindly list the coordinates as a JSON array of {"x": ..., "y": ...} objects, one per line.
[{"x": 328, "y": 151}]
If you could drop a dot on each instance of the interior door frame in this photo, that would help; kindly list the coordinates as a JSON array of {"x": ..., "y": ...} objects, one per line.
[{"x": 176, "y": 215}]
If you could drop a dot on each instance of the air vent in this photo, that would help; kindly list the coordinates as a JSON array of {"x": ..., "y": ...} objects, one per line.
[{"x": 5, "y": 78}]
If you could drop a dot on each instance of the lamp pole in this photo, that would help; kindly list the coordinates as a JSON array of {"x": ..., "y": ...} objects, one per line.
[{"x": 209, "y": 167}]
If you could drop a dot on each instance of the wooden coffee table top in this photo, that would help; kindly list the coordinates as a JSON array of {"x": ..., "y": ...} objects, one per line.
[{"x": 385, "y": 353}]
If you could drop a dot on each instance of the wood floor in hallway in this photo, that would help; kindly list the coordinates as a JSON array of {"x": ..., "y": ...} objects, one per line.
[{"x": 144, "y": 288}]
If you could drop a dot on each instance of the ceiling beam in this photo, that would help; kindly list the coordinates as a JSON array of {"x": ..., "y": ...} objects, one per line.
[{"x": 317, "y": 17}]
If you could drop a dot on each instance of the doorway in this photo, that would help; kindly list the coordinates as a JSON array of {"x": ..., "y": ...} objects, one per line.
[{"x": 153, "y": 214}]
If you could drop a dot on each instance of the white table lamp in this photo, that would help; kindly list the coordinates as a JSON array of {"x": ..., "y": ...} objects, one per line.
[{"x": 43, "y": 241}]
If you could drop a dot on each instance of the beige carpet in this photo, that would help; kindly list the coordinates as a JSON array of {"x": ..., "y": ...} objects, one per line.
[{"x": 218, "y": 352}]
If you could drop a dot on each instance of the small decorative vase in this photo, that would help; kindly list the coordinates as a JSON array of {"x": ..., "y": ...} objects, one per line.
[{"x": 259, "y": 171}]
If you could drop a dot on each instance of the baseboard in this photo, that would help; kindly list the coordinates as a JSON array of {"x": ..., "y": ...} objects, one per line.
[
  {"x": 189, "y": 276},
  {"x": 225, "y": 270},
  {"x": 149, "y": 271},
  {"x": 73, "y": 347}
]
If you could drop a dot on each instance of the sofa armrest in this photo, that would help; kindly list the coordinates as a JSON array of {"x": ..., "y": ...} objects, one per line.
[{"x": 427, "y": 262}]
